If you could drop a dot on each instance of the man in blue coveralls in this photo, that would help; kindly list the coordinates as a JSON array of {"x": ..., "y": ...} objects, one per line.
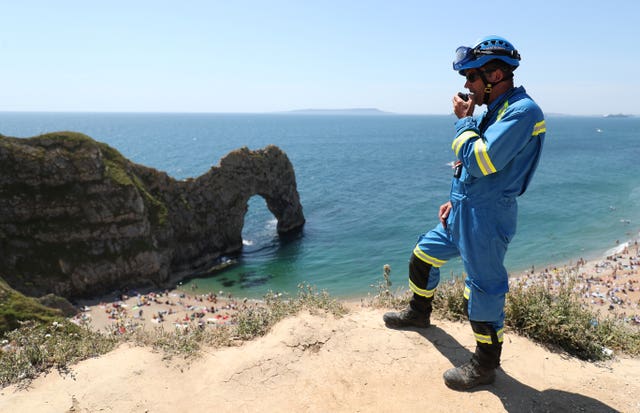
[{"x": 496, "y": 155}]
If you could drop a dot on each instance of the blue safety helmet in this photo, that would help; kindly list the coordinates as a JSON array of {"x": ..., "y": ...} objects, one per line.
[{"x": 486, "y": 49}]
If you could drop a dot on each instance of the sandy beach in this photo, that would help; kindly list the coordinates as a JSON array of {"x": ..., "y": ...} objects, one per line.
[
  {"x": 168, "y": 309},
  {"x": 318, "y": 363},
  {"x": 610, "y": 284}
]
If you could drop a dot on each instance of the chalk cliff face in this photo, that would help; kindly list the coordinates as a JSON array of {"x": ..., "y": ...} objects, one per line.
[{"x": 78, "y": 219}]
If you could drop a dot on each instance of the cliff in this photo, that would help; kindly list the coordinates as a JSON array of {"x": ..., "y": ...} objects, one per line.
[{"x": 78, "y": 219}]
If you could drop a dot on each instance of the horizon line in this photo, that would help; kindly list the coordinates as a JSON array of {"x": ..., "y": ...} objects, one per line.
[{"x": 309, "y": 111}]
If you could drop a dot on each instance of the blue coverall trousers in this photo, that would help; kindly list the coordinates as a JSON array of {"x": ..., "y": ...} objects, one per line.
[{"x": 479, "y": 232}]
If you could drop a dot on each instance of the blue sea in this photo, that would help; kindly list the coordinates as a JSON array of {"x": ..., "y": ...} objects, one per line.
[{"x": 370, "y": 185}]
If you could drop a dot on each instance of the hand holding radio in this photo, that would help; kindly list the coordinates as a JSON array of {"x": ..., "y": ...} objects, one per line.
[{"x": 463, "y": 104}]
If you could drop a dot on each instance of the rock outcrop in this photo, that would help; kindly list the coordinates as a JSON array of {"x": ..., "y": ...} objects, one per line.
[{"x": 78, "y": 219}]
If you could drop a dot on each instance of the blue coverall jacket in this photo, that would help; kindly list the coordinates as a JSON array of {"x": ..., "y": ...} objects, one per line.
[{"x": 499, "y": 156}]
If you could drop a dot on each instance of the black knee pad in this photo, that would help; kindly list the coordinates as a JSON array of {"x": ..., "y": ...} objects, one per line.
[
  {"x": 419, "y": 271},
  {"x": 484, "y": 329}
]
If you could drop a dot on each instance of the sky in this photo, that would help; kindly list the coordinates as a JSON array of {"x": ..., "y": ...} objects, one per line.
[{"x": 237, "y": 56}]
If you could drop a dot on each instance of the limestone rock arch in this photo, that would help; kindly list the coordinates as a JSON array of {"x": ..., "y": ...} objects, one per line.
[{"x": 79, "y": 219}]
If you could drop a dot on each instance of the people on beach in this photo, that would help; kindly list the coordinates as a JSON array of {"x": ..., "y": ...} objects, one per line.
[
  {"x": 496, "y": 155},
  {"x": 127, "y": 312},
  {"x": 611, "y": 283}
]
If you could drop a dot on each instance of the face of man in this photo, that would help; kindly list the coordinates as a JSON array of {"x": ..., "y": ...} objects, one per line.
[{"x": 474, "y": 81}]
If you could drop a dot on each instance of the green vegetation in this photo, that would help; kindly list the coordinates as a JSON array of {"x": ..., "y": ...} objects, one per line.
[
  {"x": 158, "y": 211},
  {"x": 41, "y": 338},
  {"x": 16, "y": 308},
  {"x": 557, "y": 317},
  {"x": 35, "y": 348},
  {"x": 68, "y": 138},
  {"x": 116, "y": 169},
  {"x": 554, "y": 317},
  {"x": 385, "y": 298}
]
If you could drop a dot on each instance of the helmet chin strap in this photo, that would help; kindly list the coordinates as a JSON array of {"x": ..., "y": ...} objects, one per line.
[{"x": 488, "y": 87}]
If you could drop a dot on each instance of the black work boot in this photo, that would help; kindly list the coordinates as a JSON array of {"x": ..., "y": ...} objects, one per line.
[
  {"x": 469, "y": 375},
  {"x": 406, "y": 318}
]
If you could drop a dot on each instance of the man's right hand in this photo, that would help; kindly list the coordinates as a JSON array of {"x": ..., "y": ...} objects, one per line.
[
  {"x": 463, "y": 108},
  {"x": 443, "y": 213}
]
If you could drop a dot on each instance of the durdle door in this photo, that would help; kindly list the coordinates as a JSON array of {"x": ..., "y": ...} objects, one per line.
[{"x": 79, "y": 219}]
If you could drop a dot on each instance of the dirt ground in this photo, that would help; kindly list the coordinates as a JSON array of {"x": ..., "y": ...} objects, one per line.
[{"x": 318, "y": 363}]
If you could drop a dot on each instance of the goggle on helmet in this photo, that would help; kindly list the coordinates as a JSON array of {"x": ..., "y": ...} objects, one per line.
[{"x": 487, "y": 49}]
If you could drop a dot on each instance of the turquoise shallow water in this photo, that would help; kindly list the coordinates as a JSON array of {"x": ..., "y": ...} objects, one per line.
[{"x": 370, "y": 185}]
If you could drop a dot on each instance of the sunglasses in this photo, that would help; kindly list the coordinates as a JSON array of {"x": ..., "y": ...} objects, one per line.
[{"x": 473, "y": 76}]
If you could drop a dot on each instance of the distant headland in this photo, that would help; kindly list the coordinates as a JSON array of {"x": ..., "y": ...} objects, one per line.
[
  {"x": 349, "y": 111},
  {"x": 617, "y": 115}
]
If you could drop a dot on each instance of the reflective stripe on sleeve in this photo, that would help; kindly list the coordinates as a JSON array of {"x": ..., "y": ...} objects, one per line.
[
  {"x": 539, "y": 128},
  {"x": 461, "y": 139},
  {"x": 420, "y": 291},
  {"x": 482, "y": 157},
  {"x": 428, "y": 258},
  {"x": 502, "y": 110}
]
